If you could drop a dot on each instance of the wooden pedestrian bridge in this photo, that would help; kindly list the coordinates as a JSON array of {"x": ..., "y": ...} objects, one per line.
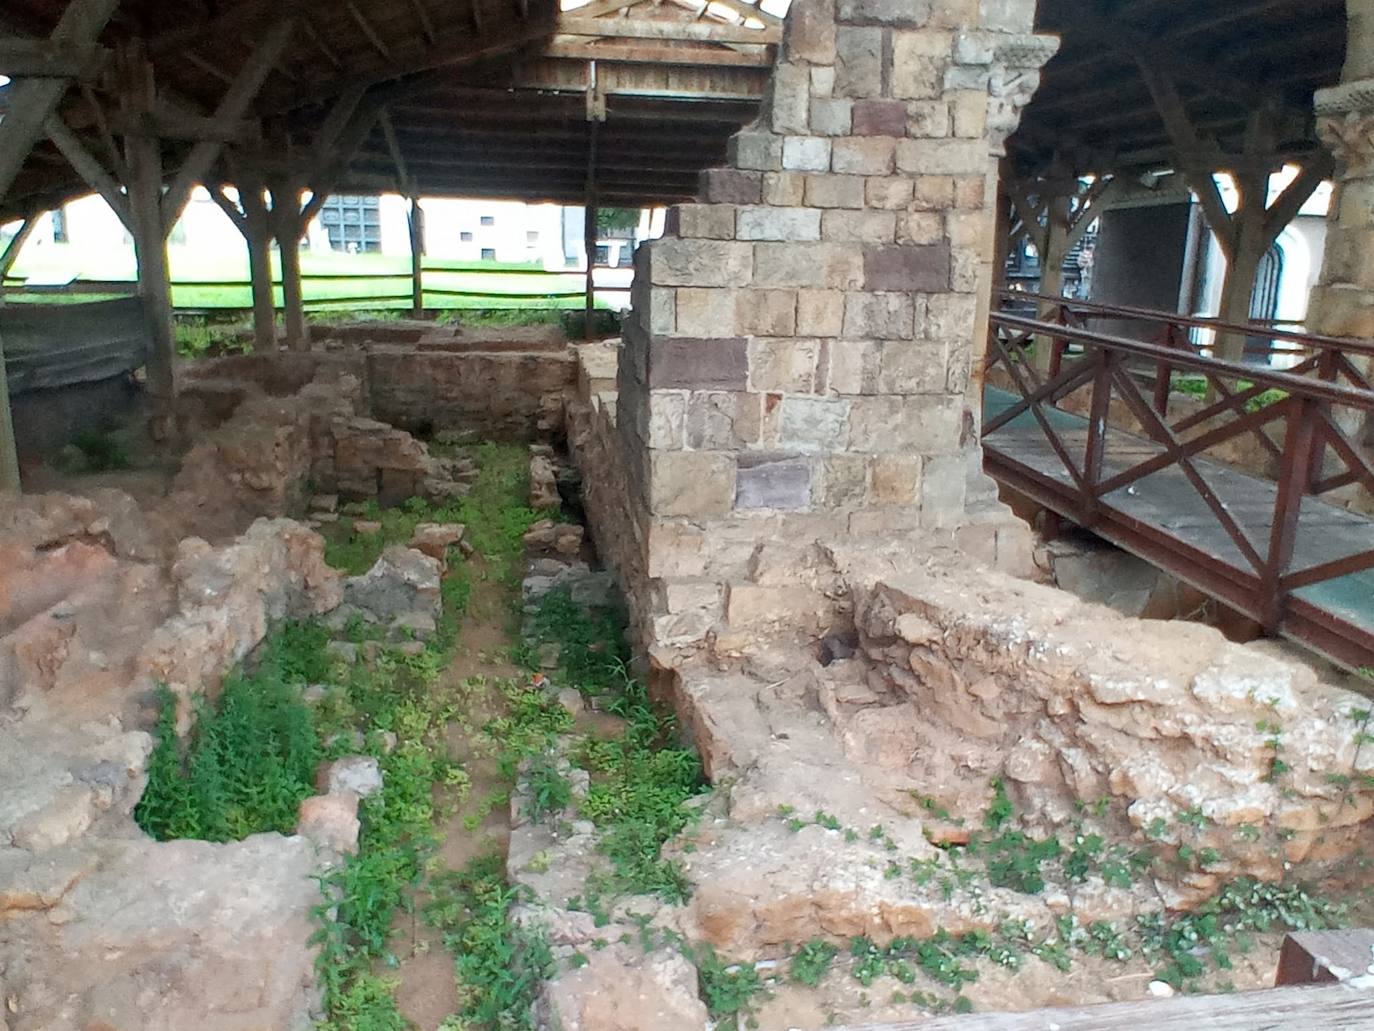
[{"x": 1256, "y": 488}]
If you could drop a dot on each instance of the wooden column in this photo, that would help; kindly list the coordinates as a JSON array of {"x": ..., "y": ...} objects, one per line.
[
  {"x": 289, "y": 228},
  {"x": 9, "y": 456},
  {"x": 143, "y": 157},
  {"x": 258, "y": 235},
  {"x": 417, "y": 258},
  {"x": 589, "y": 235}
]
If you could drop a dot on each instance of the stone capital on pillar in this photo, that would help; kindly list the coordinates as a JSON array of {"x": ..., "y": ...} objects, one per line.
[{"x": 1345, "y": 122}]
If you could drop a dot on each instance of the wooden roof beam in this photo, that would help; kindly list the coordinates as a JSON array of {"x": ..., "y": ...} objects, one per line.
[
  {"x": 31, "y": 101},
  {"x": 645, "y": 28},
  {"x": 46, "y": 59},
  {"x": 582, "y": 50}
]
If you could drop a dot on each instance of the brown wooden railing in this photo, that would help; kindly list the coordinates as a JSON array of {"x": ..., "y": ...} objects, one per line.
[{"x": 1315, "y": 402}]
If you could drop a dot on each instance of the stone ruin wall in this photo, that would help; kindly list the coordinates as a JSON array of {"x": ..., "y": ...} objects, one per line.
[
  {"x": 498, "y": 384},
  {"x": 798, "y": 362},
  {"x": 100, "y": 925}
]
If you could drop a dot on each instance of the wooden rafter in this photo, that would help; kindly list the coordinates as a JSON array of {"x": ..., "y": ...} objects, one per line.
[{"x": 95, "y": 175}]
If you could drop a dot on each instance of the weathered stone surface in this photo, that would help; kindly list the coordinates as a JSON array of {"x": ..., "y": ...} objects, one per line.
[
  {"x": 770, "y": 482},
  {"x": 434, "y": 539},
  {"x": 359, "y": 774},
  {"x": 923, "y": 269},
  {"x": 621, "y": 989},
  {"x": 699, "y": 364},
  {"x": 401, "y": 581},
  {"x": 330, "y": 821}
]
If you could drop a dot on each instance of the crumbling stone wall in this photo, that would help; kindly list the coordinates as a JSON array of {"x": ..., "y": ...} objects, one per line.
[
  {"x": 798, "y": 363},
  {"x": 504, "y": 383}
]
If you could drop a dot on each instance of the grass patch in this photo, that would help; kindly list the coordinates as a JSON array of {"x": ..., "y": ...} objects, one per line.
[
  {"x": 249, "y": 760},
  {"x": 101, "y": 451},
  {"x": 499, "y": 964}
]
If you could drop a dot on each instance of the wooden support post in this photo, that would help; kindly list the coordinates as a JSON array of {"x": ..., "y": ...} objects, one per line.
[
  {"x": 258, "y": 234},
  {"x": 289, "y": 227},
  {"x": 417, "y": 258},
  {"x": 589, "y": 235},
  {"x": 9, "y": 456},
  {"x": 143, "y": 156}
]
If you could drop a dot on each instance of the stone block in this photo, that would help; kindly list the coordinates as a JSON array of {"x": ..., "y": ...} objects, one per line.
[
  {"x": 971, "y": 231},
  {"x": 720, "y": 421},
  {"x": 808, "y": 265},
  {"x": 794, "y": 606},
  {"x": 783, "y": 364},
  {"x": 764, "y": 222},
  {"x": 890, "y": 193},
  {"x": 853, "y": 366},
  {"x": 955, "y": 14},
  {"x": 842, "y": 481},
  {"x": 927, "y": 119},
  {"x": 806, "y": 154},
  {"x": 667, "y": 419},
  {"x": 902, "y": 13},
  {"x": 831, "y": 116},
  {"x": 688, "y": 363},
  {"x": 970, "y": 191},
  {"x": 880, "y": 118},
  {"x": 908, "y": 367},
  {"x": 949, "y": 317},
  {"x": 967, "y": 77},
  {"x": 835, "y": 191},
  {"x": 969, "y": 109},
  {"x": 811, "y": 424},
  {"x": 809, "y": 33},
  {"x": 786, "y": 101},
  {"x": 858, "y": 61},
  {"x": 1014, "y": 16},
  {"x": 700, "y": 222},
  {"x": 822, "y": 78},
  {"x": 943, "y": 157},
  {"x": 866, "y": 226},
  {"x": 820, "y": 313},
  {"x": 944, "y": 481},
  {"x": 924, "y": 269},
  {"x": 785, "y": 189},
  {"x": 887, "y": 316},
  {"x": 699, "y": 262},
  {"x": 863, "y": 155},
  {"x": 919, "y": 61},
  {"x": 927, "y": 425},
  {"x": 922, "y": 228},
  {"x": 932, "y": 193},
  {"x": 755, "y": 150},
  {"x": 731, "y": 186},
  {"x": 690, "y": 483},
  {"x": 706, "y": 311},
  {"x": 662, "y": 310},
  {"x": 974, "y": 47},
  {"x": 894, "y": 479},
  {"x": 769, "y": 482},
  {"x": 766, "y": 313}
]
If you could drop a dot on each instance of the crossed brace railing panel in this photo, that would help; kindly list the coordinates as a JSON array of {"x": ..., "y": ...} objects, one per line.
[{"x": 1308, "y": 396}]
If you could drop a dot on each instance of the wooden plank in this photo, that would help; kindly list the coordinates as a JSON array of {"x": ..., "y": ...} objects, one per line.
[
  {"x": 45, "y": 59},
  {"x": 645, "y": 28},
  {"x": 659, "y": 55},
  {"x": 1336, "y": 1008}
]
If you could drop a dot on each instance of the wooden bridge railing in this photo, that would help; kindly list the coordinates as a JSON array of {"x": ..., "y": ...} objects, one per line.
[{"x": 1317, "y": 454}]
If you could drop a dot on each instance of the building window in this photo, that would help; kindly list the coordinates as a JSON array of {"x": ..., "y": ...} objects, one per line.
[
  {"x": 487, "y": 220},
  {"x": 531, "y": 237},
  {"x": 354, "y": 224},
  {"x": 465, "y": 237},
  {"x": 488, "y": 253},
  {"x": 59, "y": 225},
  {"x": 603, "y": 254}
]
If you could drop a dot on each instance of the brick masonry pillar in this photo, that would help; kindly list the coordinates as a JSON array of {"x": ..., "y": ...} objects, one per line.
[{"x": 801, "y": 353}]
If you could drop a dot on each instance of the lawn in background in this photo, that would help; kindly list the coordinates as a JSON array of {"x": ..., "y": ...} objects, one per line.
[{"x": 200, "y": 280}]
